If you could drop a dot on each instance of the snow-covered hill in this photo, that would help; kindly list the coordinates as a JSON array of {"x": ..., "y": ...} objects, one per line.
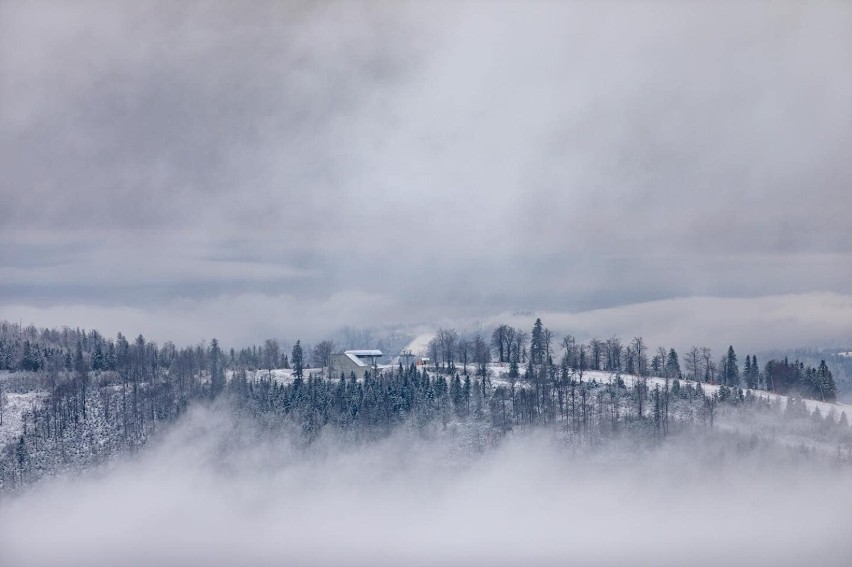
[{"x": 501, "y": 372}]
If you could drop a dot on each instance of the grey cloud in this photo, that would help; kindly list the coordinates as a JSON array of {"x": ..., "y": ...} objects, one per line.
[
  {"x": 455, "y": 160},
  {"x": 170, "y": 108}
]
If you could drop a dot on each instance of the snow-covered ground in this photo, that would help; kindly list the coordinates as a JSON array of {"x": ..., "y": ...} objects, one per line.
[
  {"x": 499, "y": 375},
  {"x": 285, "y": 375},
  {"x": 824, "y": 407},
  {"x": 282, "y": 375},
  {"x": 13, "y": 411},
  {"x": 419, "y": 346}
]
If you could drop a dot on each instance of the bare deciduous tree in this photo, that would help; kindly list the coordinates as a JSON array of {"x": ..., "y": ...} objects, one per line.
[
  {"x": 501, "y": 343},
  {"x": 271, "y": 353},
  {"x": 709, "y": 368},
  {"x": 639, "y": 349},
  {"x": 692, "y": 362},
  {"x": 463, "y": 348},
  {"x": 447, "y": 339},
  {"x": 321, "y": 353},
  {"x": 481, "y": 355},
  {"x": 521, "y": 340}
]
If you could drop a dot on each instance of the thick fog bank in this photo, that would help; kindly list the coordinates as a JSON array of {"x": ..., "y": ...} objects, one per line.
[{"x": 216, "y": 492}]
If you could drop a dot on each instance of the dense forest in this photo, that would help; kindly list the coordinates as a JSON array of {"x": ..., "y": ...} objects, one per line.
[{"x": 92, "y": 397}]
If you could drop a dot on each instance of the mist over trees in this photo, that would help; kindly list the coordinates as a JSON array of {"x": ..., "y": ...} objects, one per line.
[{"x": 94, "y": 397}]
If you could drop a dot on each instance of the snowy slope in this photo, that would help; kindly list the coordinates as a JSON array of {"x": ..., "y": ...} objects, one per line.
[
  {"x": 16, "y": 406},
  {"x": 419, "y": 346},
  {"x": 824, "y": 407},
  {"x": 499, "y": 373}
]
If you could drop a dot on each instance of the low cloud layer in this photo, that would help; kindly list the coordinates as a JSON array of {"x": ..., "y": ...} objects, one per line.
[
  {"x": 752, "y": 324},
  {"x": 212, "y": 493},
  {"x": 430, "y": 161}
]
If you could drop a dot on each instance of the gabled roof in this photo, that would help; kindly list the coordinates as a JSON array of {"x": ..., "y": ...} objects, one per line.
[
  {"x": 364, "y": 352},
  {"x": 355, "y": 359}
]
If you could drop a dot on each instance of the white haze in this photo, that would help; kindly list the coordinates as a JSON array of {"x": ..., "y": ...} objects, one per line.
[{"x": 210, "y": 493}]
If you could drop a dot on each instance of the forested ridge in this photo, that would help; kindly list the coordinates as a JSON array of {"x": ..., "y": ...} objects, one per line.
[{"x": 92, "y": 397}]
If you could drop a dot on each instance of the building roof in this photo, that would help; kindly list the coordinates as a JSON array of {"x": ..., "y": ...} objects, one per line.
[
  {"x": 364, "y": 352},
  {"x": 354, "y": 359}
]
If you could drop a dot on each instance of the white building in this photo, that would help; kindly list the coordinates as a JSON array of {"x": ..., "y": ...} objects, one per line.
[{"x": 356, "y": 362}]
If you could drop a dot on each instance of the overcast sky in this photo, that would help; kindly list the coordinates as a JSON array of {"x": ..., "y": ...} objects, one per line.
[{"x": 244, "y": 170}]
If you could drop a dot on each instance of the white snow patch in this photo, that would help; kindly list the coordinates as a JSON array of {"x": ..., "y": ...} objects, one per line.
[
  {"x": 420, "y": 344},
  {"x": 824, "y": 407},
  {"x": 13, "y": 412}
]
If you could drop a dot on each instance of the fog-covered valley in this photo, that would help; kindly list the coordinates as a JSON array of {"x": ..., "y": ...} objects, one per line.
[{"x": 218, "y": 491}]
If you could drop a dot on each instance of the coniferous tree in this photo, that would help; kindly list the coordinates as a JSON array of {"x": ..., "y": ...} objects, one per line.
[
  {"x": 30, "y": 360},
  {"x": 748, "y": 374},
  {"x": 297, "y": 360},
  {"x": 21, "y": 455},
  {"x": 217, "y": 373},
  {"x": 731, "y": 370},
  {"x": 109, "y": 360},
  {"x": 81, "y": 375},
  {"x": 672, "y": 365},
  {"x": 755, "y": 369},
  {"x": 536, "y": 343},
  {"x": 657, "y": 407},
  {"x": 630, "y": 360},
  {"x": 466, "y": 393},
  {"x": 656, "y": 365},
  {"x": 98, "y": 358},
  {"x": 513, "y": 368},
  {"x": 826, "y": 386},
  {"x": 456, "y": 394}
]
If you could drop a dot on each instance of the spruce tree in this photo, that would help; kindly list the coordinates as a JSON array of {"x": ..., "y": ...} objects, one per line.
[
  {"x": 826, "y": 385},
  {"x": 750, "y": 374},
  {"x": 109, "y": 361},
  {"x": 296, "y": 359},
  {"x": 466, "y": 393},
  {"x": 98, "y": 357},
  {"x": 81, "y": 373},
  {"x": 456, "y": 394},
  {"x": 672, "y": 365},
  {"x": 537, "y": 343},
  {"x": 21, "y": 455},
  {"x": 657, "y": 407},
  {"x": 732, "y": 371},
  {"x": 217, "y": 374},
  {"x": 513, "y": 366}
]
